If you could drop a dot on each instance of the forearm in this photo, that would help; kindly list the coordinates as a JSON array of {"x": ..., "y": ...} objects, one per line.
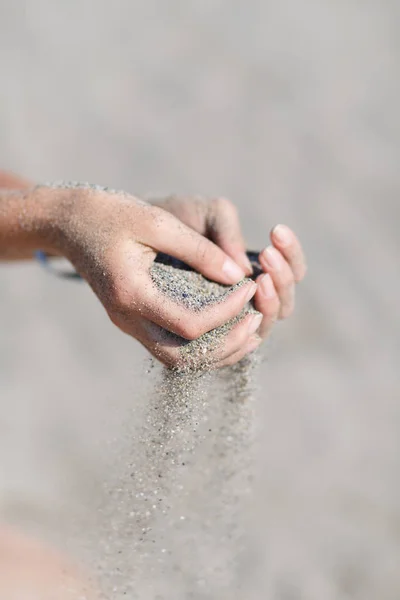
[
  {"x": 9, "y": 181},
  {"x": 25, "y": 222}
]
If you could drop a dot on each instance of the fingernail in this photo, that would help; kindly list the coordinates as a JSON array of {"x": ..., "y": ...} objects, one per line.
[
  {"x": 254, "y": 323},
  {"x": 266, "y": 286},
  {"x": 251, "y": 291},
  {"x": 272, "y": 256},
  {"x": 232, "y": 270},
  {"x": 283, "y": 234}
]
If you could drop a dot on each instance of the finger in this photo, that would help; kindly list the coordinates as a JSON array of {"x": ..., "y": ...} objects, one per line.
[
  {"x": 167, "y": 347},
  {"x": 189, "y": 324},
  {"x": 136, "y": 294},
  {"x": 223, "y": 227},
  {"x": 238, "y": 336},
  {"x": 162, "y": 344},
  {"x": 266, "y": 301},
  {"x": 252, "y": 344},
  {"x": 288, "y": 244},
  {"x": 282, "y": 277},
  {"x": 173, "y": 237}
]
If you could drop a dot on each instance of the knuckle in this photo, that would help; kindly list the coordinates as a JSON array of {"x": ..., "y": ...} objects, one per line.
[
  {"x": 222, "y": 204},
  {"x": 274, "y": 315},
  {"x": 165, "y": 356},
  {"x": 268, "y": 324},
  {"x": 158, "y": 216},
  {"x": 301, "y": 273},
  {"x": 287, "y": 280},
  {"x": 121, "y": 297},
  {"x": 286, "y": 311},
  {"x": 189, "y": 331},
  {"x": 205, "y": 251},
  {"x": 273, "y": 311},
  {"x": 115, "y": 319},
  {"x": 232, "y": 360}
]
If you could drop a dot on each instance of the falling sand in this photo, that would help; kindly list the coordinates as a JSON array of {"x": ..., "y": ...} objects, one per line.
[{"x": 181, "y": 510}]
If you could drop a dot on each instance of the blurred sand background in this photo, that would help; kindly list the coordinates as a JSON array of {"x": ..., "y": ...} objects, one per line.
[{"x": 291, "y": 109}]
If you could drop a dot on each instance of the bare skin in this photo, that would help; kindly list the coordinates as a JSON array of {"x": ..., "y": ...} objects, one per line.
[
  {"x": 31, "y": 570},
  {"x": 112, "y": 240}
]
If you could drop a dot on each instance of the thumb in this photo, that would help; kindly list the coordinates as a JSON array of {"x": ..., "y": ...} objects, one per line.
[{"x": 173, "y": 237}]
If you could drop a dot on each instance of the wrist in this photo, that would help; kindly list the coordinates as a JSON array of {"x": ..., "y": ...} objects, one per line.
[
  {"x": 46, "y": 213},
  {"x": 30, "y": 221}
]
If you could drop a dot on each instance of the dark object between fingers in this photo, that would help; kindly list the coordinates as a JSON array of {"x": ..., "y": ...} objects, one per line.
[{"x": 166, "y": 259}]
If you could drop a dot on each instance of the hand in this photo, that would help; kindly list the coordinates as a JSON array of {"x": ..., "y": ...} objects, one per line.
[
  {"x": 283, "y": 263},
  {"x": 112, "y": 240}
]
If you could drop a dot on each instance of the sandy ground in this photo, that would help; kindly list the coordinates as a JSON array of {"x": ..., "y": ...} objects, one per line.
[{"x": 291, "y": 110}]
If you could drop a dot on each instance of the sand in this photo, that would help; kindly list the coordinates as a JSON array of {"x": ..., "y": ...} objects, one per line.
[
  {"x": 184, "y": 500},
  {"x": 177, "y": 518},
  {"x": 179, "y": 515},
  {"x": 189, "y": 288}
]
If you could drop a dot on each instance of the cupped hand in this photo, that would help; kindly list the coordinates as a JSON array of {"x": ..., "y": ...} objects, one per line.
[
  {"x": 112, "y": 240},
  {"x": 283, "y": 263}
]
